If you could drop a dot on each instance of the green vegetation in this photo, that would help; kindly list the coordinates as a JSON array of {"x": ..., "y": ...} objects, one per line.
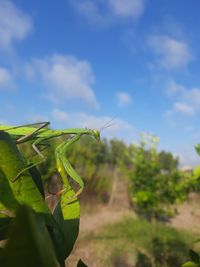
[
  {"x": 167, "y": 161},
  {"x": 154, "y": 183},
  {"x": 133, "y": 242},
  {"x": 195, "y": 260}
]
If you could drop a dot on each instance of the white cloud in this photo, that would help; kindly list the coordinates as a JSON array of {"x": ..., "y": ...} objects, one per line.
[
  {"x": 66, "y": 78},
  {"x": 127, "y": 8},
  {"x": 187, "y": 100},
  {"x": 4, "y": 76},
  {"x": 104, "y": 12},
  {"x": 172, "y": 53},
  {"x": 60, "y": 116},
  {"x": 90, "y": 9},
  {"x": 184, "y": 108},
  {"x": 116, "y": 127},
  {"x": 192, "y": 96},
  {"x": 14, "y": 24},
  {"x": 173, "y": 88},
  {"x": 5, "y": 79},
  {"x": 123, "y": 99}
]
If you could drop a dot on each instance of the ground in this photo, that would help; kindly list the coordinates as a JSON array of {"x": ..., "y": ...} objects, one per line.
[{"x": 97, "y": 218}]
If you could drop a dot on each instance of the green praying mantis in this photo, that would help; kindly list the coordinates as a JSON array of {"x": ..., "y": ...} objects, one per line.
[{"x": 37, "y": 136}]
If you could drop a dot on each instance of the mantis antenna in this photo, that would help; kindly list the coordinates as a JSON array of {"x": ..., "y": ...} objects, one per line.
[{"x": 108, "y": 124}]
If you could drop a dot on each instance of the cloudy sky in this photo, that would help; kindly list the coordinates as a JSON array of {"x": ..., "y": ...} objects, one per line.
[{"x": 79, "y": 63}]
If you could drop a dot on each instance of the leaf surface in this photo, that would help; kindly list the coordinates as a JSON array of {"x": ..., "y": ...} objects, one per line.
[{"x": 29, "y": 243}]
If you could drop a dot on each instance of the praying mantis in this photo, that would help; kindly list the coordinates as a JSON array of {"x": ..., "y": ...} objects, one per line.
[{"x": 37, "y": 136}]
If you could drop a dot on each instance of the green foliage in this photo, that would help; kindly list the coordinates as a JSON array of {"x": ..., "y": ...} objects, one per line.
[
  {"x": 195, "y": 177},
  {"x": 152, "y": 190},
  {"x": 136, "y": 242},
  {"x": 167, "y": 161},
  {"x": 35, "y": 236},
  {"x": 195, "y": 184},
  {"x": 190, "y": 264},
  {"x": 197, "y": 148},
  {"x": 119, "y": 154},
  {"x": 195, "y": 260}
]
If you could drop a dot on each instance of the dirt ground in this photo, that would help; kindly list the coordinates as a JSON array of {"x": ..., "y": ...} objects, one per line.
[
  {"x": 188, "y": 216},
  {"x": 92, "y": 224}
]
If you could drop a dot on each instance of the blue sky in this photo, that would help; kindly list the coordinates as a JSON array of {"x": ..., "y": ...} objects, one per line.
[{"x": 79, "y": 63}]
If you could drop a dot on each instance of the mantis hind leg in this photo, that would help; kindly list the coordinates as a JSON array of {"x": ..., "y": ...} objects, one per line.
[
  {"x": 29, "y": 166},
  {"x": 34, "y": 145},
  {"x": 23, "y": 138}
]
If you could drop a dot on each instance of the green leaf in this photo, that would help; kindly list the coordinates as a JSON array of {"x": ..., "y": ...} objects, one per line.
[
  {"x": 37, "y": 179},
  {"x": 190, "y": 264},
  {"x": 8, "y": 204},
  {"x": 81, "y": 264},
  {"x": 12, "y": 163},
  {"x": 7, "y": 198},
  {"x": 23, "y": 189},
  {"x": 4, "y": 226},
  {"x": 67, "y": 214},
  {"x": 29, "y": 243},
  {"x": 70, "y": 205},
  {"x": 194, "y": 256}
]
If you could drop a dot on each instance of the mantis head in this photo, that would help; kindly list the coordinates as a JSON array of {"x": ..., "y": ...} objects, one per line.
[{"x": 96, "y": 134}]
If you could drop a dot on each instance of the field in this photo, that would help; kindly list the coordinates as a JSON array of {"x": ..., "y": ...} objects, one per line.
[{"x": 115, "y": 236}]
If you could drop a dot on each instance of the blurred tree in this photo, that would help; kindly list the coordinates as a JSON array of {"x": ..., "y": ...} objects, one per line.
[
  {"x": 167, "y": 161},
  {"x": 152, "y": 191}
]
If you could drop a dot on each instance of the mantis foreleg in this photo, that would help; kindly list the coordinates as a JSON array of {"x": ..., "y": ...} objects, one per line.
[{"x": 64, "y": 166}]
